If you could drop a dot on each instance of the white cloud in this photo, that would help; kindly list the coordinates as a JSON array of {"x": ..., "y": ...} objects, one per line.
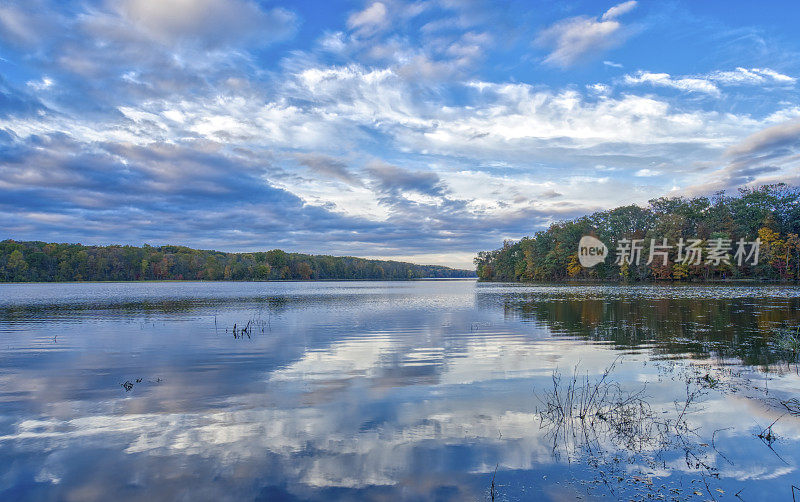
[
  {"x": 369, "y": 19},
  {"x": 599, "y": 88},
  {"x": 770, "y": 155},
  {"x": 40, "y": 85},
  {"x": 619, "y": 10},
  {"x": 20, "y": 26},
  {"x": 212, "y": 22},
  {"x": 709, "y": 83},
  {"x": 333, "y": 42},
  {"x": 517, "y": 113},
  {"x": 752, "y": 76},
  {"x": 688, "y": 84},
  {"x": 573, "y": 40},
  {"x": 513, "y": 123},
  {"x": 765, "y": 141}
]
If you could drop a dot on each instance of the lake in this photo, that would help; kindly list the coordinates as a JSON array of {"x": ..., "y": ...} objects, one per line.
[{"x": 421, "y": 390}]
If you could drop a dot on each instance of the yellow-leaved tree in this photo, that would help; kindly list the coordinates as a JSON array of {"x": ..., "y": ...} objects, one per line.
[{"x": 574, "y": 267}]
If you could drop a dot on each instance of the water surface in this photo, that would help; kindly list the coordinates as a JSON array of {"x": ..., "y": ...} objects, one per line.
[{"x": 422, "y": 390}]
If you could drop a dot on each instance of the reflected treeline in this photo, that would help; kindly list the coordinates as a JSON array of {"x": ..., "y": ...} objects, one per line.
[
  {"x": 731, "y": 327},
  {"x": 55, "y": 311}
]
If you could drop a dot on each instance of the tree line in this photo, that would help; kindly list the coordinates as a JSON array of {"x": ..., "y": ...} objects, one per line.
[
  {"x": 34, "y": 261},
  {"x": 768, "y": 214}
]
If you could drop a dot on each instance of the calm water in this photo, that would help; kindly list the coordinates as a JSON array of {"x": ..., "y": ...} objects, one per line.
[{"x": 429, "y": 390}]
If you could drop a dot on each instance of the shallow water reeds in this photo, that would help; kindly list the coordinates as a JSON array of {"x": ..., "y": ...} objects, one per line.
[
  {"x": 786, "y": 340},
  {"x": 618, "y": 433},
  {"x": 582, "y": 413}
]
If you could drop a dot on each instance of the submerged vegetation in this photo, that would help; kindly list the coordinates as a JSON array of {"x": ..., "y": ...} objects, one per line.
[
  {"x": 35, "y": 261},
  {"x": 630, "y": 439},
  {"x": 770, "y": 213}
]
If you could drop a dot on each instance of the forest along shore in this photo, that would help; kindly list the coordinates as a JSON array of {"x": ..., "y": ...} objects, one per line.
[
  {"x": 762, "y": 221},
  {"x": 34, "y": 261}
]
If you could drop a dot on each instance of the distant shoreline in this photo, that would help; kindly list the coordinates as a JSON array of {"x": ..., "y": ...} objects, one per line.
[
  {"x": 43, "y": 262},
  {"x": 243, "y": 281}
]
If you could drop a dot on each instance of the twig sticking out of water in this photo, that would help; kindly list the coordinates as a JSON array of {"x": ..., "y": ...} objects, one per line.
[
  {"x": 242, "y": 331},
  {"x": 768, "y": 438},
  {"x": 792, "y": 405},
  {"x": 253, "y": 326},
  {"x": 492, "y": 490}
]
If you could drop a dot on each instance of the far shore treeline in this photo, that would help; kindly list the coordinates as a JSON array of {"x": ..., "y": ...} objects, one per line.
[
  {"x": 33, "y": 261},
  {"x": 770, "y": 213}
]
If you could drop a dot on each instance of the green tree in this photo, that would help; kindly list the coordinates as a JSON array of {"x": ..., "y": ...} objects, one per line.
[{"x": 17, "y": 265}]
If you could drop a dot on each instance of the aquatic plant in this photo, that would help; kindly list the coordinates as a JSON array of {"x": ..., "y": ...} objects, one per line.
[
  {"x": 613, "y": 429},
  {"x": 787, "y": 340}
]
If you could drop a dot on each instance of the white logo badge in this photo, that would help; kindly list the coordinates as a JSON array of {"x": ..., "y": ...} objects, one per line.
[{"x": 591, "y": 251}]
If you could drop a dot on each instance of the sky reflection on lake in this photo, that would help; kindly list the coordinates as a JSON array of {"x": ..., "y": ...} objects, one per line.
[{"x": 383, "y": 391}]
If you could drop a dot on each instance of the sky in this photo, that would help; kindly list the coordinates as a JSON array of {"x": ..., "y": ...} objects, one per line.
[{"x": 417, "y": 130}]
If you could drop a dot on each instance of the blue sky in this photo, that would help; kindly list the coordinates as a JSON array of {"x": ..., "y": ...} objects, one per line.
[{"x": 424, "y": 131}]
